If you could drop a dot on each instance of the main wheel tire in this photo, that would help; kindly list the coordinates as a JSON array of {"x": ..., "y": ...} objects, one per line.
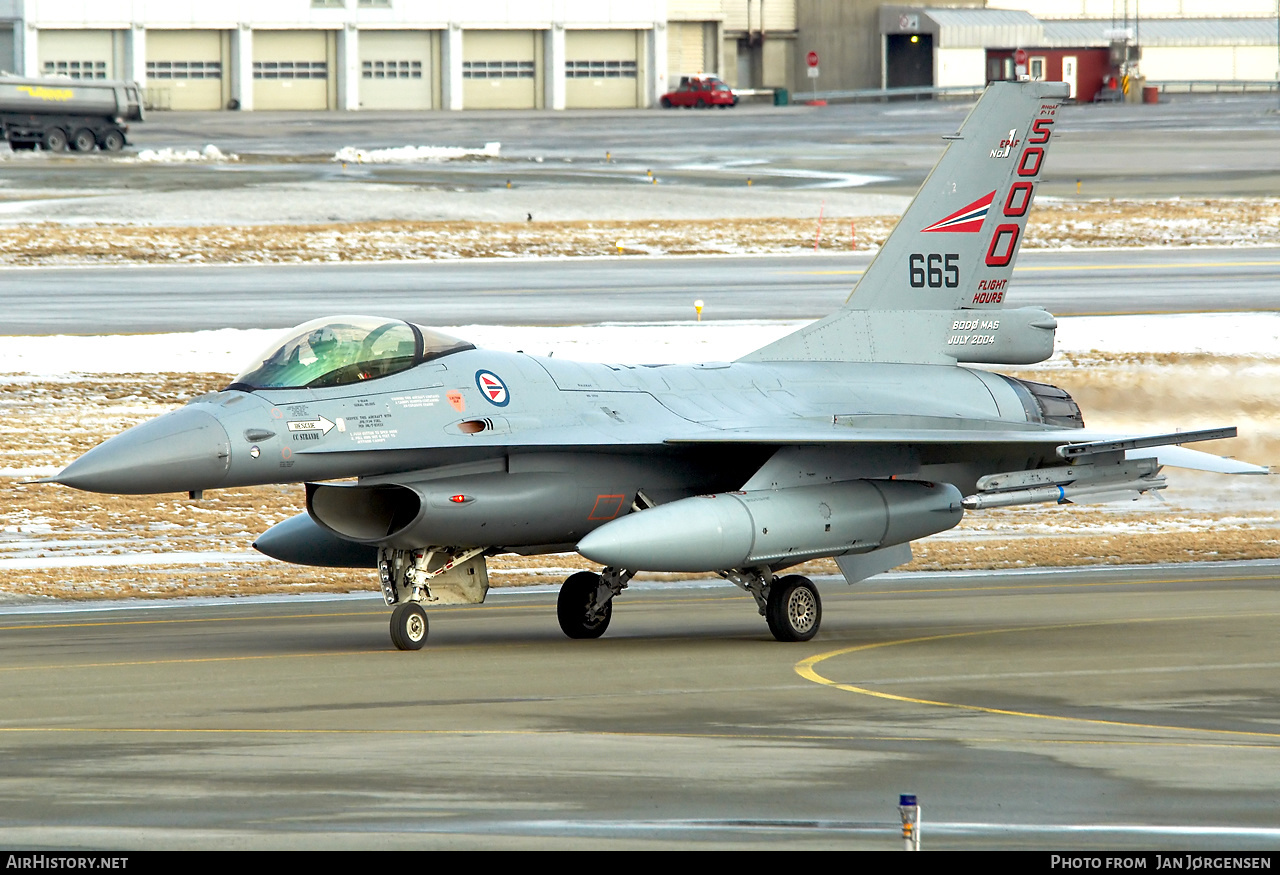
[
  {"x": 409, "y": 626},
  {"x": 84, "y": 140},
  {"x": 112, "y": 141},
  {"x": 701, "y": 104},
  {"x": 577, "y": 598},
  {"x": 666, "y": 103},
  {"x": 794, "y": 609},
  {"x": 55, "y": 140}
]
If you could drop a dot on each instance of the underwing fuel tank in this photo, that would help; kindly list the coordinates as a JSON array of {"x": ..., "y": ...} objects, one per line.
[{"x": 774, "y": 527}]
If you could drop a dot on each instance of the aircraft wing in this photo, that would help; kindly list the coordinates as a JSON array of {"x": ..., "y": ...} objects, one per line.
[{"x": 1073, "y": 445}]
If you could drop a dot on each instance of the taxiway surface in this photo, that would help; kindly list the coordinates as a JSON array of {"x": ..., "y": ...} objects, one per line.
[
  {"x": 1204, "y": 145},
  {"x": 107, "y": 300},
  {"x": 1120, "y": 708}
]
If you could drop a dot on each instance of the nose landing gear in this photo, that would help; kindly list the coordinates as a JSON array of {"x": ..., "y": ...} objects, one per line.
[{"x": 409, "y": 626}]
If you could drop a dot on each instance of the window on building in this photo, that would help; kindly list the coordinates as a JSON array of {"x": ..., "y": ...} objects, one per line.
[
  {"x": 76, "y": 69},
  {"x": 1036, "y": 68},
  {"x": 497, "y": 69},
  {"x": 379, "y": 4},
  {"x": 184, "y": 69},
  {"x": 290, "y": 70},
  {"x": 600, "y": 69},
  {"x": 328, "y": 4},
  {"x": 391, "y": 69}
]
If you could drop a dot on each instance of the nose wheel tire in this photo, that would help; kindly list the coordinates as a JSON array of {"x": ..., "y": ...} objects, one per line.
[
  {"x": 794, "y": 609},
  {"x": 576, "y": 608},
  {"x": 409, "y": 626}
]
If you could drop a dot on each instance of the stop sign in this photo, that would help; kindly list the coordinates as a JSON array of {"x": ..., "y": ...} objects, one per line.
[
  {"x": 812, "y": 58},
  {"x": 1020, "y": 57}
]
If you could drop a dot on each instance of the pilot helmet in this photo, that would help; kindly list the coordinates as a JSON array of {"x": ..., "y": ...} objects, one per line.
[{"x": 322, "y": 340}]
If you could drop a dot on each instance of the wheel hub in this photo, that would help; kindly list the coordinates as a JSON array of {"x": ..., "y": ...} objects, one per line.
[
  {"x": 416, "y": 628},
  {"x": 802, "y": 611}
]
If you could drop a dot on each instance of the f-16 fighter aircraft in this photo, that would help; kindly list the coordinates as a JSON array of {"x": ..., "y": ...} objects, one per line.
[{"x": 849, "y": 438}]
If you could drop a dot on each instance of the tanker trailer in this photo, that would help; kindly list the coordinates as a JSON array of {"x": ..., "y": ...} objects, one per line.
[{"x": 61, "y": 113}]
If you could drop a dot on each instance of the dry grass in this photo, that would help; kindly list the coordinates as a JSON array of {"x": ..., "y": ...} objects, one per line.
[{"x": 1056, "y": 224}]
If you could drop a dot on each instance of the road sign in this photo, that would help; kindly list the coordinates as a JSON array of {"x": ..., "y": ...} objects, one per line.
[
  {"x": 813, "y": 72},
  {"x": 812, "y": 59},
  {"x": 1020, "y": 57}
]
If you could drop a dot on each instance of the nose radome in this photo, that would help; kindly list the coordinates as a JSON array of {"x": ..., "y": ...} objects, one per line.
[{"x": 186, "y": 450}]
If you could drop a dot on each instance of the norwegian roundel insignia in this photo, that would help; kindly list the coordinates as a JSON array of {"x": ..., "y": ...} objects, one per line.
[{"x": 492, "y": 388}]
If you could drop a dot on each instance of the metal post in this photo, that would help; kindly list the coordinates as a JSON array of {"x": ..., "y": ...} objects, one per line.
[{"x": 909, "y": 811}]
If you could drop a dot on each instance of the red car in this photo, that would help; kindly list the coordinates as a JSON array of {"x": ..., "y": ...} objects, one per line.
[{"x": 700, "y": 92}]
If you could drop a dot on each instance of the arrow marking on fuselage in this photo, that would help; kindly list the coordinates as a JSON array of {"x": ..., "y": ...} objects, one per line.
[{"x": 319, "y": 424}]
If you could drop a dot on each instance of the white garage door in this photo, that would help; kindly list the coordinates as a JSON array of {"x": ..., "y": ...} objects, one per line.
[
  {"x": 396, "y": 69},
  {"x": 185, "y": 69},
  {"x": 294, "y": 69},
  {"x": 602, "y": 68},
  {"x": 500, "y": 69},
  {"x": 80, "y": 54}
]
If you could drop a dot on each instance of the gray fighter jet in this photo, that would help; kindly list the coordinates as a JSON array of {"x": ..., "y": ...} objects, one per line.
[{"x": 849, "y": 438}]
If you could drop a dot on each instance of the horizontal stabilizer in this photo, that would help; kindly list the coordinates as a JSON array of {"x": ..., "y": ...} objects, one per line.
[
  {"x": 1195, "y": 460},
  {"x": 1167, "y": 449}
]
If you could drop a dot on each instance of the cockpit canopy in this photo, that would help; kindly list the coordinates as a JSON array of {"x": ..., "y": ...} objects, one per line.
[{"x": 341, "y": 350}]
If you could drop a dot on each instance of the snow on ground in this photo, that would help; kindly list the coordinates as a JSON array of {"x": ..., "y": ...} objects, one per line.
[
  {"x": 210, "y": 154},
  {"x": 228, "y": 351},
  {"x": 128, "y": 560},
  {"x": 413, "y": 154}
]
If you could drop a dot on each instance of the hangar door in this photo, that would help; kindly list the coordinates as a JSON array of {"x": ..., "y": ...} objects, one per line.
[
  {"x": 908, "y": 64},
  {"x": 601, "y": 68},
  {"x": 691, "y": 48},
  {"x": 294, "y": 69},
  {"x": 501, "y": 69},
  {"x": 81, "y": 54},
  {"x": 186, "y": 68},
  {"x": 396, "y": 69}
]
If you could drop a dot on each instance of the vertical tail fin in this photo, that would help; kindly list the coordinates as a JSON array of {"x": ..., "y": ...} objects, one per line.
[{"x": 953, "y": 250}]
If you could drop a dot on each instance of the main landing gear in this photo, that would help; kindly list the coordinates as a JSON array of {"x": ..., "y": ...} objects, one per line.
[
  {"x": 585, "y": 605},
  {"x": 793, "y": 609},
  {"x": 790, "y": 605}
]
